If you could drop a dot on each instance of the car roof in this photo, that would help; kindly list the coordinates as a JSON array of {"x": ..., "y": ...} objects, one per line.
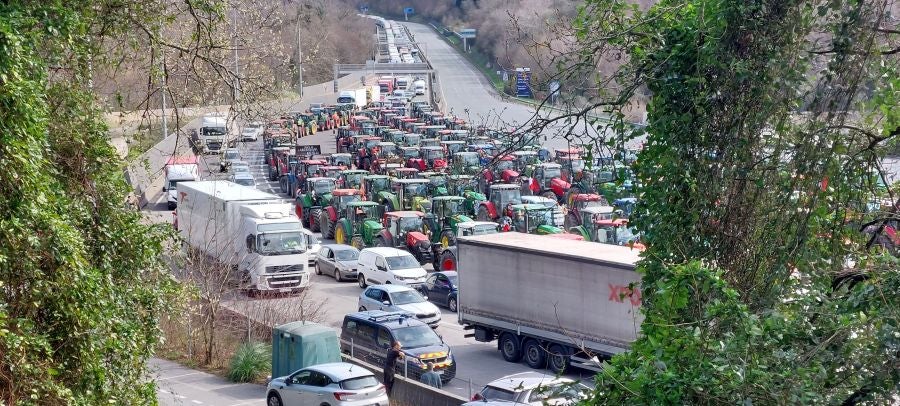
[
  {"x": 339, "y": 371},
  {"x": 527, "y": 381},
  {"x": 243, "y": 175},
  {"x": 339, "y": 247},
  {"x": 392, "y": 323},
  {"x": 387, "y": 251},
  {"x": 391, "y": 288},
  {"x": 404, "y": 213}
]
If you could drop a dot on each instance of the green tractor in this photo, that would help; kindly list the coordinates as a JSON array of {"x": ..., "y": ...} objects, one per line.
[
  {"x": 406, "y": 194},
  {"x": 446, "y": 213},
  {"x": 329, "y": 214},
  {"x": 437, "y": 183},
  {"x": 360, "y": 225},
  {"x": 466, "y": 162},
  {"x": 351, "y": 178},
  {"x": 534, "y": 219},
  {"x": 309, "y": 205}
]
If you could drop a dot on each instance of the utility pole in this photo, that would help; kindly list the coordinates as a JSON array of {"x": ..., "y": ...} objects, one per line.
[
  {"x": 237, "y": 65},
  {"x": 299, "y": 58}
]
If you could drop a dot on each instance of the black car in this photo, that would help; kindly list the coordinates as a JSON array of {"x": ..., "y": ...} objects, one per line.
[
  {"x": 442, "y": 288},
  {"x": 368, "y": 335}
]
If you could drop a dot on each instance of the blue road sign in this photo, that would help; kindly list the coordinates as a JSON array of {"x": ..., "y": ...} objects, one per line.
[
  {"x": 408, "y": 10},
  {"x": 523, "y": 82}
]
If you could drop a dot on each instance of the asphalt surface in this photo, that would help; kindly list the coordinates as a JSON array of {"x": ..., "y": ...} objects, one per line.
[{"x": 177, "y": 386}]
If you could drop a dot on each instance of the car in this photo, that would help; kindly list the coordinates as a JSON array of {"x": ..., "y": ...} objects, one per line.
[
  {"x": 313, "y": 244},
  {"x": 442, "y": 288},
  {"x": 243, "y": 179},
  {"x": 338, "y": 260},
  {"x": 367, "y": 335},
  {"x": 334, "y": 384},
  {"x": 230, "y": 155},
  {"x": 252, "y": 131},
  {"x": 239, "y": 167},
  {"x": 383, "y": 265},
  {"x": 533, "y": 388},
  {"x": 396, "y": 298}
]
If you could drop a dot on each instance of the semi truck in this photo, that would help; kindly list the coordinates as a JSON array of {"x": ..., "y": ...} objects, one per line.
[
  {"x": 179, "y": 169},
  {"x": 255, "y": 232},
  {"x": 550, "y": 302},
  {"x": 212, "y": 135},
  {"x": 356, "y": 97}
]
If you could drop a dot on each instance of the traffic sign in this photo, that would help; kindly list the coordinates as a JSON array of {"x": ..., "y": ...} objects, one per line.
[
  {"x": 409, "y": 10},
  {"x": 467, "y": 33}
]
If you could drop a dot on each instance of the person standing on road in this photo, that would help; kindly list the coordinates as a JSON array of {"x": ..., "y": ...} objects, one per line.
[
  {"x": 431, "y": 378},
  {"x": 390, "y": 365}
]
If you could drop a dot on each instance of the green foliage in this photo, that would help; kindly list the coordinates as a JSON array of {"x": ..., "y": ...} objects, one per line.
[
  {"x": 756, "y": 173},
  {"x": 250, "y": 362}
]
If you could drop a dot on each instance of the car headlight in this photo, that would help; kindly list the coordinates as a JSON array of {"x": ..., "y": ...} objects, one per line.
[{"x": 415, "y": 361}]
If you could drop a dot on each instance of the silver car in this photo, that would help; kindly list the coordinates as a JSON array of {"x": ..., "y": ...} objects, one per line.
[
  {"x": 335, "y": 384},
  {"x": 337, "y": 260},
  {"x": 243, "y": 179},
  {"x": 399, "y": 298},
  {"x": 230, "y": 156}
]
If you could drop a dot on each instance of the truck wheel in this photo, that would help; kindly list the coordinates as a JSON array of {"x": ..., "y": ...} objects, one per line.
[
  {"x": 558, "y": 359},
  {"x": 361, "y": 281},
  {"x": 483, "y": 214},
  {"x": 311, "y": 223},
  {"x": 535, "y": 355},
  {"x": 357, "y": 242},
  {"x": 510, "y": 347},
  {"x": 326, "y": 226}
]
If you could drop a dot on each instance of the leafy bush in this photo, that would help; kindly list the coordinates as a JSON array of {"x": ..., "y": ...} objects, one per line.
[{"x": 250, "y": 361}]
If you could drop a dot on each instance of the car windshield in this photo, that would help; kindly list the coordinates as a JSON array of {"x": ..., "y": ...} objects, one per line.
[
  {"x": 402, "y": 262},
  {"x": 417, "y": 336},
  {"x": 353, "y": 179},
  {"x": 229, "y": 155},
  {"x": 504, "y": 165},
  {"x": 323, "y": 186},
  {"x": 406, "y": 297},
  {"x": 410, "y": 223},
  {"x": 491, "y": 393},
  {"x": 470, "y": 159},
  {"x": 359, "y": 383},
  {"x": 281, "y": 243},
  {"x": 346, "y": 255},
  {"x": 550, "y": 173},
  {"x": 244, "y": 181}
]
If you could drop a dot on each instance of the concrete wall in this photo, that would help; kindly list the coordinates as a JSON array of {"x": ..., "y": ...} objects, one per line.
[{"x": 408, "y": 392}]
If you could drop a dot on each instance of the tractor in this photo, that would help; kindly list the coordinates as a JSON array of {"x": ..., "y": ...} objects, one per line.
[
  {"x": 533, "y": 219},
  {"x": 466, "y": 162},
  {"x": 526, "y": 161},
  {"x": 329, "y": 214},
  {"x": 579, "y": 202},
  {"x": 360, "y": 224},
  {"x": 403, "y": 173},
  {"x": 452, "y": 147},
  {"x": 375, "y": 187},
  {"x": 446, "y": 213},
  {"x": 571, "y": 162},
  {"x": 309, "y": 205},
  {"x": 433, "y": 157},
  {"x": 445, "y": 259},
  {"x": 547, "y": 181},
  {"x": 304, "y": 169},
  {"x": 366, "y": 151},
  {"x": 287, "y": 164},
  {"x": 276, "y": 158},
  {"x": 430, "y": 142},
  {"x": 437, "y": 183},
  {"x": 408, "y": 153},
  {"x": 404, "y": 229},
  {"x": 502, "y": 197},
  {"x": 503, "y": 171},
  {"x": 340, "y": 159},
  {"x": 385, "y": 154},
  {"x": 331, "y": 171},
  {"x": 411, "y": 139},
  {"x": 605, "y": 230},
  {"x": 363, "y": 125},
  {"x": 351, "y": 178}
]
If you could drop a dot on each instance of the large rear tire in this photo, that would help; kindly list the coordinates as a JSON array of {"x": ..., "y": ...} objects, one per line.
[
  {"x": 483, "y": 214},
  {"x": 446, "y": 261},
  {"x": 510, "y": 347},
  {"x": 380, "y": 241},
  {"x": 341, "y": 236},
  {"x": 326, "y": 226},
  {"x": 313, "y": 225},
  {"x": 535, "y": 355}
]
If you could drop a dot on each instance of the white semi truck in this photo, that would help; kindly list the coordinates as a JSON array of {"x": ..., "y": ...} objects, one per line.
[
  {"x": 213, "y": 134},
  {"x": 551, "y": 302},
  {"x": 179, "y": 169},
  {"x": 242, "y": 227}
]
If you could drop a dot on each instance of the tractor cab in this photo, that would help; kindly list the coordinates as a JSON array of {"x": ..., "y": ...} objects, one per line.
[
  {"x": 367, "y": 148},
  {"x": 502, "y": 197},
  {"x": 412, "y": 139},
  {"x": 351, "y": 178},
  {"x": 365, "y": 125},
  {"x": 387, "y": 150},
  {"x": 526, "y": 161},
  {"x": 430, "y": 142},
  {"x": 452, "y": 147},
  {"x": 403, "y": 173},
  {"x": 458, "y": 124},
  {"x": 331, "y": 171},
  {"x": 320, "y": 186},
  {"x": 466, "y": 162},
  {"x": 432, "y": 158},
  {"x": 547, "y": 181},
  {"x": 308, "y": 206},
  {"x": 503, "y": 171},
  {"x": 437, "y": 183},
  {"x": 340, "y": 159},
  {"x": 571, "y": 162},
  {"x": 374, "y": 185},
  {"x": 472, "y": 228},
  {"x": 446, "y": 213},
  {"x": 405, "y": 229},
  {"x": 607, "y": 231},
  {"x": 586, "y": 203},
  {"x": 409, "y": 194},
  {"x": 410, "y": 153},
  {"x": 533, "y": 219},
  {"x": 433, "y": 131},
  {"x": 454, "y": 135}
]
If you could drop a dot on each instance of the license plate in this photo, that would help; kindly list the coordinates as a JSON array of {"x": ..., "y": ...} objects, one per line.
[{"x": 284, "y": 290}]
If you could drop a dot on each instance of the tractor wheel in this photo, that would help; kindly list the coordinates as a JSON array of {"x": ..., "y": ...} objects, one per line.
[
  {"x": 550, "y": 195},
  {"x": 367, "y": 163},
  {"x": 326, "y": 226},
  {"x": 311, "y": 223},
  {"x": 303, "y": 220},
  {"x": 448, "y": 239},
  {"x": 483, "y": 214},
  {"x": 341, "y": 236},
  {"x": 282, "y": 184},
  {"x": 381, "y": 242},
  {"x": 357, "y": 242},
  {"x": 447, "y": 262}
]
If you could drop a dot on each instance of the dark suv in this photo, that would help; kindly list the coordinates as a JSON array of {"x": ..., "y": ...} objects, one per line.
[{"x": 367, "y": 336}]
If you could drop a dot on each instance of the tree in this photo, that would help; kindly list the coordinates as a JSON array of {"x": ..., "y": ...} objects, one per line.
[
  {"x": 82, "y": 281},
  {"x": 759, "y": 168}
]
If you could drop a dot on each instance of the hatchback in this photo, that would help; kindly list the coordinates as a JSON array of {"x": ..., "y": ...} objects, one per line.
[
  {"x": 397, "y": 298},
  {"x": 335, "y": 384}
]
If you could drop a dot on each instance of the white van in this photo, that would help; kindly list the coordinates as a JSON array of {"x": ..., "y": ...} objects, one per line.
[
  {"x": 384, "y": 265},
  {"x": 419, "y": 87}
]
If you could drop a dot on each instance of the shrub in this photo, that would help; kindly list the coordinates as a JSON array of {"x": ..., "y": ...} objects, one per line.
[{"x": 250, "y": 362}]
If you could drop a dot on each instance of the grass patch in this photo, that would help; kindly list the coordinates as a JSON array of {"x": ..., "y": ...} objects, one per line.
[{"x": 250, "y": 362}]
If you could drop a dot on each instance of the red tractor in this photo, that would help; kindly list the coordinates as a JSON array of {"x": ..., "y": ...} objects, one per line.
[
  {"x": 367, "y": 151},
  {"x": 502, "y": 197},
  {"x": 547, "y": 181},
  {"x": 433, "y": 158},
  {"x": 578, "y": 202},
  {"x": 503, "y": 171},
  {"x": 404, "y": 229},
  {"x": 329, "y": 215}
]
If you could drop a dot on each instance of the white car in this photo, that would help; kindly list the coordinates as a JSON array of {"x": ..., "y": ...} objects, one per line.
[
  {"x": 252, "y": 131},
  {"x": 243, "y": 179},
  {"x": 334, "y": 384},
  {"x": 397, "y": 298},
  {"x": 533, "y": 388},
  {"x": 313, "y": 245},
  {"x": 384, "y": 265}
]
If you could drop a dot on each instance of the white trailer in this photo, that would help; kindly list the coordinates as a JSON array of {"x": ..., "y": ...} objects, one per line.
[
  {"x": 179, "y": 169},
  {"x": 551, "y": 302},
  {"x": 248, "y": 229}
]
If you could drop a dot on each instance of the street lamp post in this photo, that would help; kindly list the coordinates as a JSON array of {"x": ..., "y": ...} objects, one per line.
[{"x": 299, "y": 58}]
